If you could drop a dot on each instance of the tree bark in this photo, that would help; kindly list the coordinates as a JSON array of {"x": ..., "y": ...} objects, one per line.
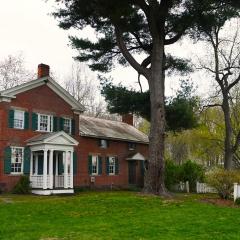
[
  {"x": 154, "y": 177},
  {"x": 228, "y": 145}
]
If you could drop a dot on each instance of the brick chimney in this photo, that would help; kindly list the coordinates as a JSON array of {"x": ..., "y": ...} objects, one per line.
[
  {"x": 128, "y": 118},
  {"x": 43, "y": 70}
]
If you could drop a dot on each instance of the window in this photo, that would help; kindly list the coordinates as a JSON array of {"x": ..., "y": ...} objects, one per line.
[
  {"x": 18, "y": 119},
  {"x": 67, "y": 126},
  {"x": 95, "y": 165},
  {"x": 103, "y": 143},
  {"x": 17, "y": 160},
  {"x": 112, "y": 165},
  {"x": 45, "y": 123},
  {"x": 131, "y": 146}
]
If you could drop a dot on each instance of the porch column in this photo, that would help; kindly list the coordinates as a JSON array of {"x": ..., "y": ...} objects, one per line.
[
  {"x": 45, "y": 169},
  {"x": 65, "y": 169},
  {"x": 71, "y": 170},
  {"x": 36, "y": 164},
  {"x": 31, "y": 164},
  {"x": 51, "y": 169},
  {"x": 56, "y": 168}
]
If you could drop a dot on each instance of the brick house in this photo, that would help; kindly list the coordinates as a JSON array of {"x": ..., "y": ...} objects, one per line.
[{"x": 44, "y": 134}]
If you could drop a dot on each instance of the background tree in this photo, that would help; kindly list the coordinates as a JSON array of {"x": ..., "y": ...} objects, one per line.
[
  {"x": 82, "y": 85},
  {"x": 225, "y": 70},
  {"x": 13, "y": 72},
  {"x": 131, "y": 27}
]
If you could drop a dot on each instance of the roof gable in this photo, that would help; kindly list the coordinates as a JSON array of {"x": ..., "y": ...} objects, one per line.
[
  {"x": 59, "y": 138},
  {"x": 8, "y": 94},
  {"x": 136, "y": 156}
]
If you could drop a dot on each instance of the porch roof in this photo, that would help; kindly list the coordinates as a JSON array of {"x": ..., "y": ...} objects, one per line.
[
  {"x": 57, "y": 138},
  {"x": 136, "y": 156}
]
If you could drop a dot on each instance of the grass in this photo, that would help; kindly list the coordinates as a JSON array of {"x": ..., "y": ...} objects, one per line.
[{"x": 115, "y": 215}]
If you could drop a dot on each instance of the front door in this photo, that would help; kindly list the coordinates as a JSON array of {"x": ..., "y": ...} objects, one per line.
[{"x": 132, "y": 172}]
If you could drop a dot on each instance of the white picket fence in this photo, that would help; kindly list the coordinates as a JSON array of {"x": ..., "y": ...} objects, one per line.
[
  {"x": 204, "y": 188},
  {"x": 236, "y": 191}
]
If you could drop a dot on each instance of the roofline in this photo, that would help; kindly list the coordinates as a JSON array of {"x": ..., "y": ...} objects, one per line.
[
  {"x": 11, "y": 92},
  {"x": 111, "y": 138}
]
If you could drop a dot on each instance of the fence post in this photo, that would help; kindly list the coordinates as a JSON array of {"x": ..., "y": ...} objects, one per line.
[
  {"x": 197, "y": 186},
  {"x": 235, "y": 192},
  {"x": 187, "y": 186}
]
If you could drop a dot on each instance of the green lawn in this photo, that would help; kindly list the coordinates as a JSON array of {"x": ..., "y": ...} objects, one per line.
[{"x": 115, "y": 215}]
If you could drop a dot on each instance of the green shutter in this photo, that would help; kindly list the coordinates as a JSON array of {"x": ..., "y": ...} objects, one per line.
[
  {"x": 142, "y": 168},
  {"x": 61, "y": 124},
  {"x": 74, "y": 162},
  {"x": 26, "y": 120},
  {"x": 11, "y": 118},
  {"x": 73, "y": 127},
  {"x": 108, "y": 142},
  {"x": 90, "y": 164},
  {"x": 107, "y": 165},
  {"x": 34, "y": 121},
  {"x": 26, "y": 161},
  {"x": 116, "y": 166},
  {"x": 55, "y": 124},
  {"x": 99, "y": 165},
  {"x": 7, "y": 160}
]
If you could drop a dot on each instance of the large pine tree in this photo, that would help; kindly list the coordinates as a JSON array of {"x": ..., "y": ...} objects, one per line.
[{"x": 129, "y": 27}]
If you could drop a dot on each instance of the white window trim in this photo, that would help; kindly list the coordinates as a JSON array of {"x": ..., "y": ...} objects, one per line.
[
  {"x": 23, "y": 112},
  {"x": 114, "y": 166},
  {"x": 70, "y": 120},
  {"x": 102, "y": 146},
  {"x": 50, "y": 122},
  {"x": 17, "y": 173},
  {"x": 131, "y": 148},
  {"x": 97, "y": 163}
]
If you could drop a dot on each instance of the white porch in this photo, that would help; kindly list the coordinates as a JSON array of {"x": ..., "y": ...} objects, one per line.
[{"x": 51, "y": 164}]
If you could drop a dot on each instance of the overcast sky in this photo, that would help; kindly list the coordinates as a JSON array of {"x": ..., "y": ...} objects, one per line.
[{"x": 27, "y": 27}]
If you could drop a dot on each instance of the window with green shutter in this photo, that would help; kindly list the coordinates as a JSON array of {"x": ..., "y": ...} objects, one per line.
[
  {"x": 107, "y": 165},
  {"x": 34, "y": 121},
  {"x": 61, "y": 124},
  {"x": 73, "y": 126},
  {"x": 55, "y": 124},
  {"x": 26, "y": 120},
  {"x": 26, "y": 162},
  {"x": 11, "y": 118},
  {"x": 74, "y": 162},
  {"x": 90, "y": 165},
  {"x": 99, "y": 165},
  {"x": 7, "y": 160}
]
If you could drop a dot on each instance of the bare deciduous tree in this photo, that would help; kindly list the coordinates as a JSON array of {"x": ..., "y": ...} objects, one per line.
[
  {"x": 82, "y": 85},
  {"x": 13, "y": 72},
  {"x": 224, "y": 68}
]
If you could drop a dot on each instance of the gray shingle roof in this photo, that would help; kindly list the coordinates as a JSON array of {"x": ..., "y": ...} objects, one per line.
[{"x": 101, "y": 128}]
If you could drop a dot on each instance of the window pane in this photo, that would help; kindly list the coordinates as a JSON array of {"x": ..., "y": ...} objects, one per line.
[
  {"x": 67, "y": 125},
  {"x": 18, "y": 119},
  {"x": 16, "y": 160}
]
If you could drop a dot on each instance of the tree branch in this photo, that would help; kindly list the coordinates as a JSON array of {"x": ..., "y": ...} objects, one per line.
[{"x": 140, "y": 69}]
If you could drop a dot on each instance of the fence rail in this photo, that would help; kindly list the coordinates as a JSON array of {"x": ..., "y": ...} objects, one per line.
[{"x": 204, "y": 188}]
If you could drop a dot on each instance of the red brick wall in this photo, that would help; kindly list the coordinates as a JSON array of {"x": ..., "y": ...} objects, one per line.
[{"x": 44, "y": 99}]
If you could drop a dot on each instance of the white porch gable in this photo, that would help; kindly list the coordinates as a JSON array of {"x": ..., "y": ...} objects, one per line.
[
  {"x": 136, "y": 157},
  {"x": 49, "y": 153}
]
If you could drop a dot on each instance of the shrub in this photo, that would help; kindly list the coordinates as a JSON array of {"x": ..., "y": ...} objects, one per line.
[
  {"x": 23, "y": 186},
  {"x": 237, "y": 201},
  {"x": 223, "y": 180},
  {"x": 191, "y": 172},
  {"x": 171, "y": 174}
]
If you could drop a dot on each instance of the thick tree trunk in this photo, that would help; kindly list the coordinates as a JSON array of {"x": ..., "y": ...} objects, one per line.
[
  {"x": 228, "y": 142},
  {"x": 154, "y": 177}
]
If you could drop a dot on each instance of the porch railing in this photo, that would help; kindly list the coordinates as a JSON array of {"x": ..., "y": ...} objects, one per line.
[{"x": 36, "y": 181}]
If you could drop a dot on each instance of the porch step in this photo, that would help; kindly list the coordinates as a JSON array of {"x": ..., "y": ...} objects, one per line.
[{"x": 52, "y": 191}]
